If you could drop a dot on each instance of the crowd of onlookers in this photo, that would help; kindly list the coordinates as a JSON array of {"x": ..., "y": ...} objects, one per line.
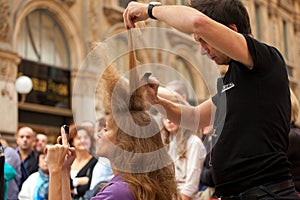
[
  {"x": 27, "y": 174},
  {"x": 27, "y": 162}
]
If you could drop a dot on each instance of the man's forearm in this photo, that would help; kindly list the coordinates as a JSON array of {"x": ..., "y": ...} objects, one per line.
[{"x": 184, "y": 115}]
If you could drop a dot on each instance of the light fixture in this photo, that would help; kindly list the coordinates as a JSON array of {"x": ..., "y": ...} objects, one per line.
[{"x": 23, "y": 86}]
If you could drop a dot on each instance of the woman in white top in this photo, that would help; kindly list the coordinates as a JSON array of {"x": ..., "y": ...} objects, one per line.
[
  {"x": 187, "y": 151},
  {"x": 36, "y": 185}
]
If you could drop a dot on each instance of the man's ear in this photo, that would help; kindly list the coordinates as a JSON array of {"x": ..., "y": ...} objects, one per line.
[{"x": 233, "y": 27}]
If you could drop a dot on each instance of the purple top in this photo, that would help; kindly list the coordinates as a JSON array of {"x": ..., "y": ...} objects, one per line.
[{"x": 116, "y": 189}]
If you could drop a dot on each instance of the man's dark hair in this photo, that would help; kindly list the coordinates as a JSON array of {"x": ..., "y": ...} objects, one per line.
[{"x": 225, "y": 12}]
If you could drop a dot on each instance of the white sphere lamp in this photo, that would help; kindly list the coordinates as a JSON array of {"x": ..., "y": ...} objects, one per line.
[{"x": 23, "y": 85}]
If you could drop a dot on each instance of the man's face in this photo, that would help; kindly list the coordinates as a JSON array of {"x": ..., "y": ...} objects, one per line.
[
  {"x": 41, "y": 142},
  {"x": 25, "y": 139},
  {"x": 212, "y": 53}
]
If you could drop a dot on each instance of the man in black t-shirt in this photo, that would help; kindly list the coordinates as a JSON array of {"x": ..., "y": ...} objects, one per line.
[{"x": 251, "y": 109}]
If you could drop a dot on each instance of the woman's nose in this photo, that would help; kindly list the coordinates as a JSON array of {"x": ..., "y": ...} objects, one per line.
[{"x": 204, "y": 50}]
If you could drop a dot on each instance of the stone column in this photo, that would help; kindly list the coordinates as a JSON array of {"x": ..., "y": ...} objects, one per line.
[
  {"x": 8, "y": 100},
  {"x": 8, "y": 72},
  {"x": 4, "y": 22},
  {"x": 273, "y": 25}
]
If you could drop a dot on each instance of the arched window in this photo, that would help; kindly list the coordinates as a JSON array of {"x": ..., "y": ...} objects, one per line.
[
  {"x": 42, "y": 40},
  {"x": 45, "y": 54}
]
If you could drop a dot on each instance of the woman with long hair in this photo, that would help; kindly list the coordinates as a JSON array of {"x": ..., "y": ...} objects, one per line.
[
  {"x": 131, "y": 141},
  {"x": 185, "y": 148}
]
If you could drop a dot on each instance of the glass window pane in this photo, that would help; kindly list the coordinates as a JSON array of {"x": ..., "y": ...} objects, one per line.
[{"x": 42, "y": 40}]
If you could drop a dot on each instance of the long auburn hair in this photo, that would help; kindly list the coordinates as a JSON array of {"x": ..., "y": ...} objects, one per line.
[{"x": 140, "y": 156}]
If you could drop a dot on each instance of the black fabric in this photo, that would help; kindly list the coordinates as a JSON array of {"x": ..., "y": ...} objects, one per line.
[
  {"x": 28, "y": 166},
  {"x": 252, "y": 142},
  {"x": 294, "y": 154},
  {"x": 276, "y": 191},
  {"x": 206, "y": 177},
  {"x": 87, "y": 170}
]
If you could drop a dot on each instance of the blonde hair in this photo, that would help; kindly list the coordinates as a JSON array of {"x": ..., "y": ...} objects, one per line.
[
  {"x": 182, "y": 135},
  {"x": 139, "y": 156},
  {"x": 295, "y": 107}
]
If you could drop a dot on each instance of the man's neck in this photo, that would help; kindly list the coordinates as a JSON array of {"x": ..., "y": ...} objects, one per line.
[{"x": 24, "y": 153}]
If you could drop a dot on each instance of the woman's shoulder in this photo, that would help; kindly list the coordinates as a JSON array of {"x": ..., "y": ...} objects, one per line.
[
  {"x": 115, "y": 189},
  {"x": 194, "y": 139},
  {"x": 93, "y": 160},
  {"x": 196, "y": 145},
  {"x": 91, "y": 163}
]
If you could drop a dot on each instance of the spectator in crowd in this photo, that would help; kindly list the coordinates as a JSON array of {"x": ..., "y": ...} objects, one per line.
[
  {"x": 13, "y": 160},
  {"x": 83, "y": 165},
  {"x": 41, "y": 142},
  {"x": 29, "y": 162},
  {"x": 7, "y": 173},
  {"x": 102, "y": 172},
  {"x": 3, "y": 142},
  {"x": 207, "y": 185},
  {"x": 186, "y": 150},
  {"x": 255, "y": 85},
  {"x": 132, "y": 142},
  {"x": 35, "y": 187},
  {"x": 294, "y": 142}
]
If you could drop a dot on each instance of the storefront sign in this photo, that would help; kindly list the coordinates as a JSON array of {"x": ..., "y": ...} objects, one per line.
[{"x": 51, "y": 85}]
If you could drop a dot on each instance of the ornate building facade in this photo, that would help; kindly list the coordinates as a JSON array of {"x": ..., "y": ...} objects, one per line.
[{"x": 50, "y": 41}]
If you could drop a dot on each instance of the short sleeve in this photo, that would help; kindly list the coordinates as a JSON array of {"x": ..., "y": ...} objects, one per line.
[{"x": 115, "y": 191}]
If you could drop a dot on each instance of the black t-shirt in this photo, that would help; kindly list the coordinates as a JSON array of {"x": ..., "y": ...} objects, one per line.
[
  {"x": 253, "y": 134},
  {"x": 28, "y": 166}
]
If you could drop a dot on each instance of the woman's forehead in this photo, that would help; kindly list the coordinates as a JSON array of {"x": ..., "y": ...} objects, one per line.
[{"x": 82, "y": 132}]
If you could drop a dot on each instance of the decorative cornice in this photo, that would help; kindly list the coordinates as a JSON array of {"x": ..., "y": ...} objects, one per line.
[
  {"x": 4, "y": 22},
  {"x": 93, "y": 20},
  {"x": 69, "y": 3},
  {"x": 297, "y": 27},
  {"x": 114, "y": 14},
  {"x": 176, "y": 38},
  {"x": 272, "y": 11},
  {"x": 8, "y": 65},
  {"x": 287, "y": 5}
]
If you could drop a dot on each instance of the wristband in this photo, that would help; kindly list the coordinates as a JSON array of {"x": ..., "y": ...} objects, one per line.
[{"x": 150, "y": 7}]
